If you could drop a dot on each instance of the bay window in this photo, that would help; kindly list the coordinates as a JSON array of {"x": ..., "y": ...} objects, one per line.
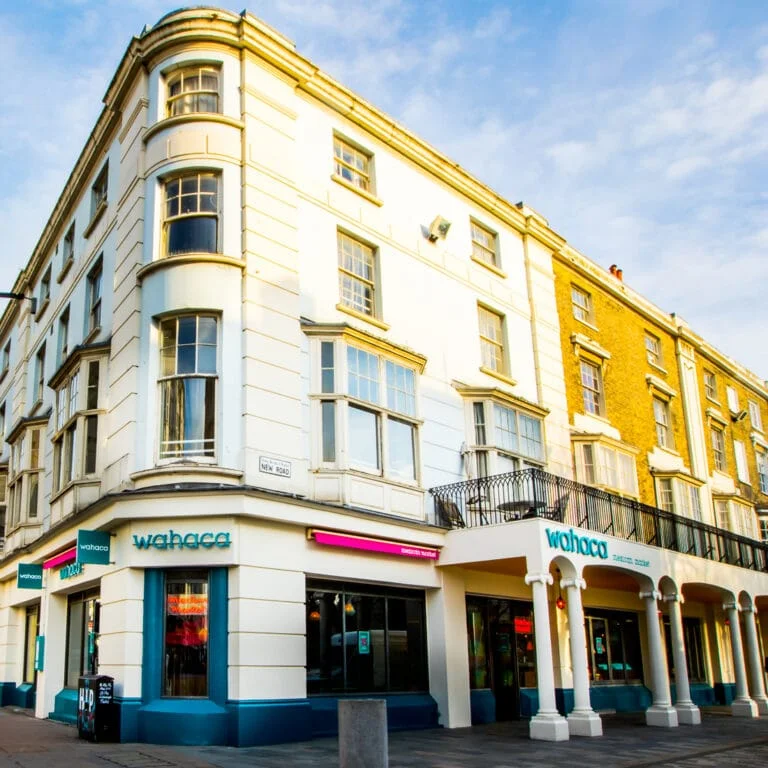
[
  {"x": 191, "y": 217},
  {"x": 188, "y": 373},
  {"x": 367, "y": 410},
  {"x": 24, "y": 474},
  {"x": 76, "y": 427},
  {"x": 505, "y": 438},
  {"x": 606, "y": 466},
  {"x": 193, "y": 89}
]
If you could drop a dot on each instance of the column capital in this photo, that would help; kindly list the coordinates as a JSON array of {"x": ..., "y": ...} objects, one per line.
[
  {"x": 573, "y": 582},
  {"x": 673, "y": 598},
  {"x": 750, "y": 609},
  {"x": 733, "y": 606},
  {"x": 654, "y": 594},
  {"x": 544, "y": 578}
]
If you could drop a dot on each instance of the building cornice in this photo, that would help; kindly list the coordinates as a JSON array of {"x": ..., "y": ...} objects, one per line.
[{"x": 469, "y": 392}]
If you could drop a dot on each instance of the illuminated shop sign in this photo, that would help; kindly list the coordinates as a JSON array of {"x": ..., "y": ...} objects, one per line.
[
  {"x": 375, "y": 545},
  {"x": 175, "y": 540},
  {"x": 70, "y": 570},
  {"x": 570, "y": 541}
]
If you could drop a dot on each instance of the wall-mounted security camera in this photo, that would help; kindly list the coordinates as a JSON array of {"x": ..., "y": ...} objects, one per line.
[
  {"x": 438, "y": 228},
  {"x": 740, "y": 416}
]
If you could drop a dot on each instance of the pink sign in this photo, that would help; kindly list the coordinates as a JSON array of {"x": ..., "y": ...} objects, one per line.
[
  {"x": 376, "y": 545},
  {"x": 67, "y": 556}
]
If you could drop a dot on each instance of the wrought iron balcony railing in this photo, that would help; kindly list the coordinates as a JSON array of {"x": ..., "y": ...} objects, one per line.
[{"x": 536, "y": 493}]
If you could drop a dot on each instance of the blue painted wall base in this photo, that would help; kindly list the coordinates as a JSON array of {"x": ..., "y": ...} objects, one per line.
[
  {"x": 6, "y": 691},
  {"x": 405, "y": 711},
  {"x": 129, "y": 718},
  {"x": 65, "y": 706},
  {"x": 622, "y": 698},
  {"x": 725, "y": 693},
  {"x": 254, "y": 722},
  {"x": 702, "y": 695},
  {"x": 482, "y": 705},
  {"x": 529, "y": 702},
  {"x": 190, "y": 722},
  {"x": 24, "y": 696}
]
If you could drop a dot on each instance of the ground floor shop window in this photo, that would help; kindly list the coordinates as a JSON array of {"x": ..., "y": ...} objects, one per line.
[
  {"x": 694, "y": 649},
  {"x": 82, "y": 636},
  {"x": 32, "y": 622},
  {"x": 185, "y": 654},
  {"x": 613, "y": 652},
  {"x": 362, "y": 638},
  {"x": 502, "y": 650}
]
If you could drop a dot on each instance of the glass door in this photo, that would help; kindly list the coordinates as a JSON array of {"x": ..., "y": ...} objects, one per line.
[
  {"x": 504, "y": 659},
  {"x": 30, "y": 639}
]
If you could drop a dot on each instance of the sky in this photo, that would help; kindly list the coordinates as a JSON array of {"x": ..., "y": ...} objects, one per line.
[{"x": 638, "y": 128}]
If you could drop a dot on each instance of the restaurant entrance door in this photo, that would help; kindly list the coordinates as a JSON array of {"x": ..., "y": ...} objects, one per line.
[{"x": 501, "y": 651}]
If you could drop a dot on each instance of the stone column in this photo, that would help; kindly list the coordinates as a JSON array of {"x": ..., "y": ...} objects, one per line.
[
  {"x": 583, "y": 721},
  {"x": 687, "y": 712},
  {"x": 742, "y": 705},
  {"x": 661, "y": 712},
  {"x": 548, "y": 724},
  {"x": 754, "y": 662}
]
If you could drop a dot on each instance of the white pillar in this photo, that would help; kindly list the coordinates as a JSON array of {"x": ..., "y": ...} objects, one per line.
[
  {"x": 687, "y": 712},
  {"x": 448, "y": 656},
  {"x": 548, "y": 724},
  {"x": 661, "y": 712},
  {"x": 754, "y": 662},
  {"x": 742, "y": 705},
  {"x": 583, "y": 721}
]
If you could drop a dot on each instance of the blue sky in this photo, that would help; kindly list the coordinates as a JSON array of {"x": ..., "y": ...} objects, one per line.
[{"x": 638, "y": 128}]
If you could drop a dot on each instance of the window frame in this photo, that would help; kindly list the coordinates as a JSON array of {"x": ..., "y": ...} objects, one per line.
[
  {"x": 717, "y": 444},
  {"x": 482, "y": 252},
  {"x": 183, "y": 72},
  {"x": 100, "y": 192},
  {"x": 596, "y": 471},
  {"x": 347, "y": 300},
  {"x": 595, "y": 405},
  {"x": 710, "y": 386},
  {"x": 761, "y": 461},
  {"x": 94, "y": 296},
  {"x": 653, "y": 351},
  {"x": 742, "y": 463},
  {"x": 168, "y": 220},
  {"x": 497, "y": 362},
  {"x": 6, "y": 363},
  {"x": 39, "y": 380},
  {"x": 732, "y": 398},
  {"x": 26, "y": 468},
  {"x": 374, "y": 392},
  {"x": 356, "y": 174},
  {"x": 583, "y": 311},
  {"x": 755, "y": 416},
  {"x": 210, "y": 447},
  {"x": 44, "y": 297},
  {"x": 662, "y": 418}
]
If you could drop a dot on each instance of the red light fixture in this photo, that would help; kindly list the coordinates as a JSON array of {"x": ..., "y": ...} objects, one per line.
[
  {"x": 560, "y": 603},
  {"x": 314, "y": 616},
  {"x": 727, "y": 622}
]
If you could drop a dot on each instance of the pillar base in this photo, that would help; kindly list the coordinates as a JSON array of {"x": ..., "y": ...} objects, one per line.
[
  {"x": 688, "y": 713},
  {"x": 585, "y": 723},
  {"x": 548, "y": 727},
  {"x": 744, "y": 708},
  {"x": 661, "y": 716},
  {"x": 762, "y": 706}
]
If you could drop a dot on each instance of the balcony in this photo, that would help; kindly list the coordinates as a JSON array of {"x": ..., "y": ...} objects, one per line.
[{"x": 532, "y": 493}]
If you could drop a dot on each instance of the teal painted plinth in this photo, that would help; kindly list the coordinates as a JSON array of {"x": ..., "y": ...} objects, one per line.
[
  {"x": 65, "y": 706},
  {"x": 129, "y": 718},
  {"x": 622, "y": 698},
  {"x": 24, "y": 696},
  {"x": 725, "y": 693},
  {"x": 253, "y": 722},
  {"x": 6, "y": 692},
  {"x": 405, "y": 711},
  {"x": 185, "y": 722},
  {"x": 482, "y": 706},
  {"x": 529, "y": 702},
  {"x": 702, "y": 695}
]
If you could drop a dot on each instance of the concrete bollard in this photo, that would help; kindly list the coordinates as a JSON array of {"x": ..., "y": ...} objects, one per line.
[{"x": 363, "y": 741}]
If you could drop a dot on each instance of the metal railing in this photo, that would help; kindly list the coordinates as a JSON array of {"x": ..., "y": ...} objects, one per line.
[{"x": 533, "y": 493}]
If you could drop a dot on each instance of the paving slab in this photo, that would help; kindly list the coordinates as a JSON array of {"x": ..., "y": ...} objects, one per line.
[{"x": 721, "y": 740}]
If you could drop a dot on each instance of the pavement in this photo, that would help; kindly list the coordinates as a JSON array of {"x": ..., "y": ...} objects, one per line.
[{"x": 721, "y": 741}]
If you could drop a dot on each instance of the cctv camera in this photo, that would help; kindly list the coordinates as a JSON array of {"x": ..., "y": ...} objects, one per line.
[{"x": 438, "y": 228}]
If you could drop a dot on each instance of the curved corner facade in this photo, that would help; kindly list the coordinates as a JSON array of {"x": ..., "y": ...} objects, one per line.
[{"x": 305, "y": 412}]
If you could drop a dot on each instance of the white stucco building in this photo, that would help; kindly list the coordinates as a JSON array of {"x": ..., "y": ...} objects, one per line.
[{"x": 269, "y": 319}]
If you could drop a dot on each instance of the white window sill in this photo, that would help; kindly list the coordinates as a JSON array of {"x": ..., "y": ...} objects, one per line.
[
  {"x": 41, "y": 308},
  {"x": 587, "y": 323},
  {"x": 658, "y": 367},
  {"x": 498, "y": 375},
  {"x": 352, "y": 188},
  {"x": 65, "y": 267},
  {"x": 192, "y": 117},
  {"x": 186, "y": 471},
  {"x": 361, "y": 316},
  {"x": 490, "y": 267},
  {"x": 373, "y": 474},
  {"x": 97, "y": 214}
]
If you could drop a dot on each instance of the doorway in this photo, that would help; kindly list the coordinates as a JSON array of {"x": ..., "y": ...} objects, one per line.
[{"x": 501, "y": 651}]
